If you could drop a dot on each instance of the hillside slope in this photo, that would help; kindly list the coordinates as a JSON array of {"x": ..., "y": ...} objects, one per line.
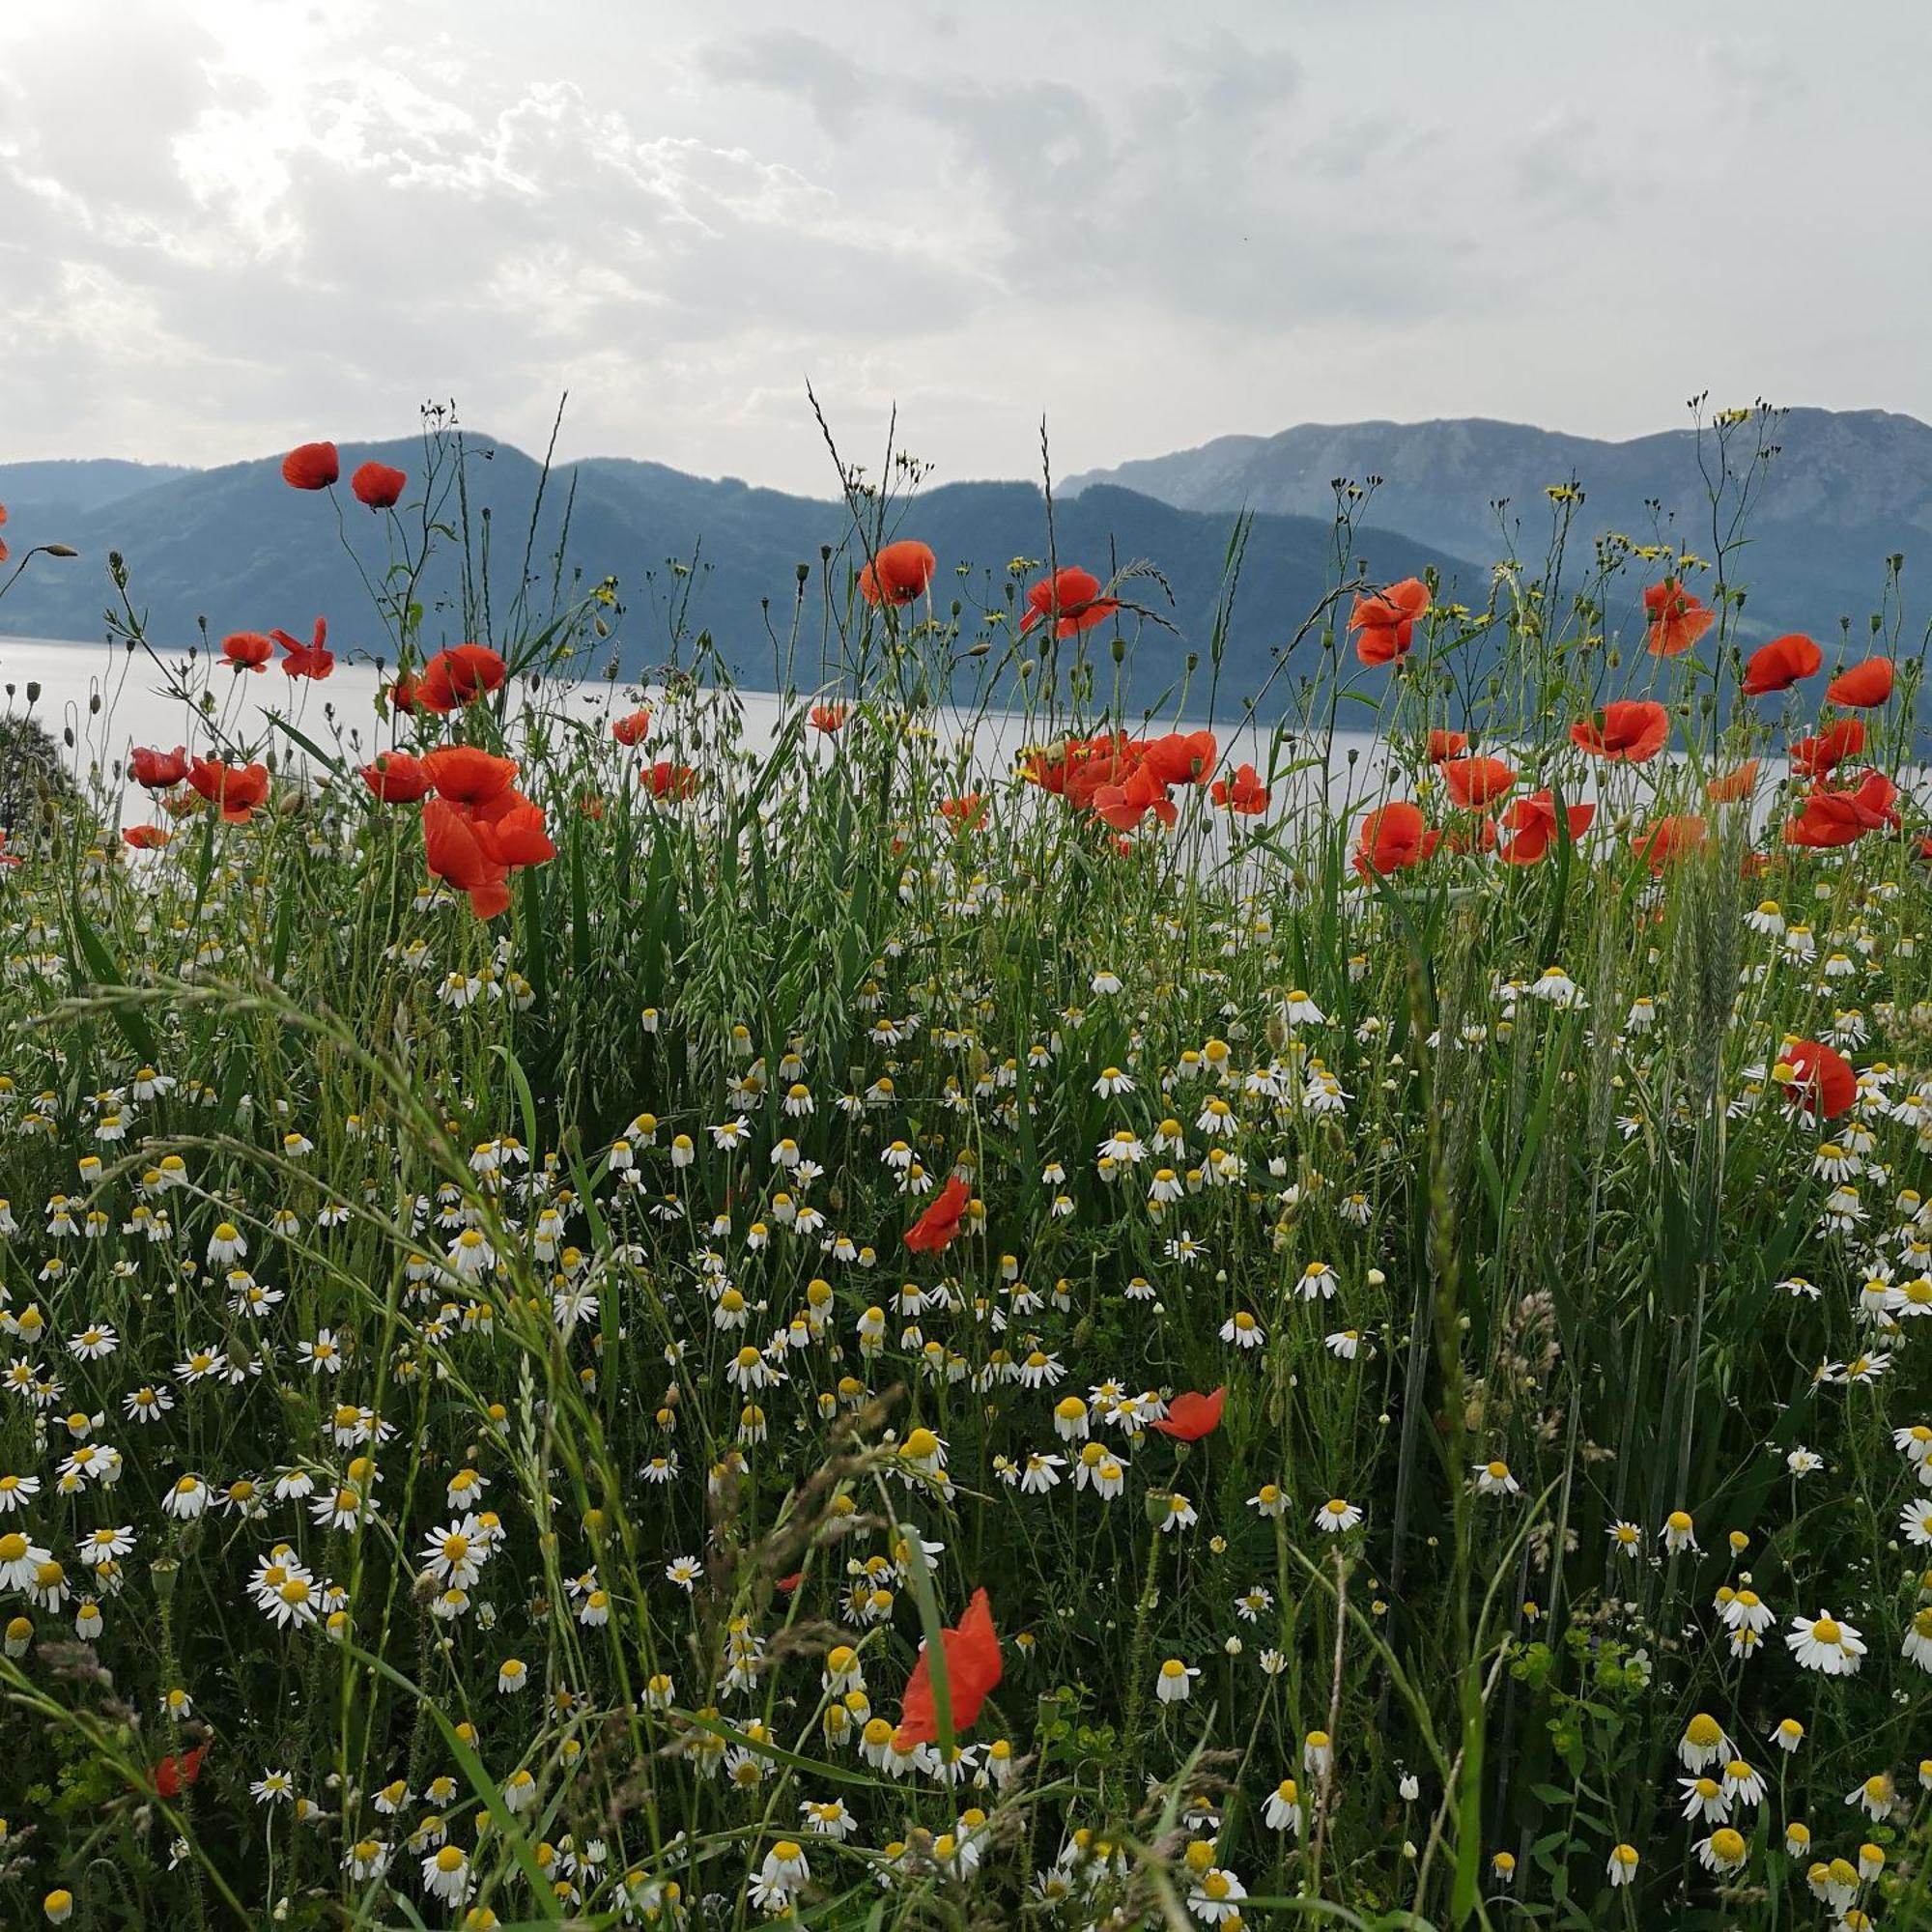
[
  {"x": 236, "y": 548},
  {"x": 1847, "y": 490}
]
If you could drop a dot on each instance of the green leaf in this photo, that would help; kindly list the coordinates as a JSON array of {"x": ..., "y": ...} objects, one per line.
[{"x": 105, "y": 972}]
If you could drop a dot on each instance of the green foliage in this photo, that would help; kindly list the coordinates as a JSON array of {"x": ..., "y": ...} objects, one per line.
[{"x": 702, "y": 1445}]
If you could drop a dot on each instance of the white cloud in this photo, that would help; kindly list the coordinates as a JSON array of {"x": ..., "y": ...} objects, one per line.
[{"x": 231, "y": 226}]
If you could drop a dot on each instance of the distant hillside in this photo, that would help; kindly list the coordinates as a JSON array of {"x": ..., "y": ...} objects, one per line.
[
  {"x": 1849, "y": 489},
  {"x": 71, "y": 486},
  {"x": 234, "y": 545}
]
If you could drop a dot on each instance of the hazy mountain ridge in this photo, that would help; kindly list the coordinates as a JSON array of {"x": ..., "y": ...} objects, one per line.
[
  {"x": 236, "y": 545},
  {"x": 75, "y": 485},
  {"x": 1848, "y": 489}
]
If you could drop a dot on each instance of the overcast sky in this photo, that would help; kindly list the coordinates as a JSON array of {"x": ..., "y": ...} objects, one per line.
[{"x": 226, "y": 225}]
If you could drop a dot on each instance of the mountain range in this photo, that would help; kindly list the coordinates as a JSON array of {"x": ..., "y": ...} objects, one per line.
[
  {"x": 235, "y": 546},
  {"x": 1845, "y": 491}
]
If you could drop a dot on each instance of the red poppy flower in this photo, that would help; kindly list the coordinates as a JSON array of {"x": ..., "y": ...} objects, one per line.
[
  {"x": 246, "y": 650},
  {"x": 591, "y": 804},
  {"x": 973, "y": 1669},
  {"x": 236, "y": 789},
  {"x": 1124, "y": 805},
  {"x": 515, "y": 837},
  {"x": 458, "y": 676},
  {"x": 900, "y": 572},
  {"x": 1814, "y": 758},
  {"x": 633, "y": 728},
  {"x": 1475, "y": 783},
  {"x": 1479, "y": 835},
  {"x": 1863, "y": 685},
  {"x": 1629, "y": 731},
  {"x": 1244, "y": 793},
  {"x": 1384, "y": 623},
  {"x": 1072, "y": 599},
  {"x": 396, "y": 777},
  {"x": 1815, "y": 1078},
  {"x": 829, "y": 718},
  {"x": 1393, "y": 838},
  {"x": 311, "y": 465},
  {"x": 3, "y": 547},
  {"x": 1677, "y": 620},
  {"x": 157, "y": 770},
  {"x": 1181, "y": 758},
  {"x": 377, "y": 485},
  {"x": 178, "y": 1770},
  {"x": 308, "y": 660},
  {"x": 469, "y": 775},
  {"x": 1831, "y": 818},
  {"x": 1533, "y": 822},
  {"x": 1096, "y": 763},
  {"x": 1779, "y": 664},
  {"x": 785, "y": 1586},
  {"x": 1191, "y": 1416},
  {"x": 668, "y": 781},
  {"x": 1447, "y": 745},
  {"x": 1729, "y": 787},
  {"x": 146, "y": 837},
  {"x": 455, "y": 854},
  {"x": 966, "y": 812},
  {"x": 1669, "y": 838},
  {"x": 936, "y": 1227},
  {"x": 402, "y": 694}
]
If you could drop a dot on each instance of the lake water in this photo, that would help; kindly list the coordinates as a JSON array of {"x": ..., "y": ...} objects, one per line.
[{"x": 99, "y": 699}]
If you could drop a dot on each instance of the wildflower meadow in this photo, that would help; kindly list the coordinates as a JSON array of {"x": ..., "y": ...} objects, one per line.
[{"x": 985, "y": 1308}]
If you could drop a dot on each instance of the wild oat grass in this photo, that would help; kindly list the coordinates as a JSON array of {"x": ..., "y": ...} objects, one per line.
[{"x": 1409, "y": 1317}]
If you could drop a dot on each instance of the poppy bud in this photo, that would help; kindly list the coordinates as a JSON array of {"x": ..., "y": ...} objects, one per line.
[{"x": 60, "y": 550}]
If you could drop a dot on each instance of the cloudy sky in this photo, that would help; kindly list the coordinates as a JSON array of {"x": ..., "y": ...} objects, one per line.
[{"x": 226, "y": 225}]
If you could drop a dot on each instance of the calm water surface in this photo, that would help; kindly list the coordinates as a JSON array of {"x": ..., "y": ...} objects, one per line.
[{"x": 99, "y": 699}]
